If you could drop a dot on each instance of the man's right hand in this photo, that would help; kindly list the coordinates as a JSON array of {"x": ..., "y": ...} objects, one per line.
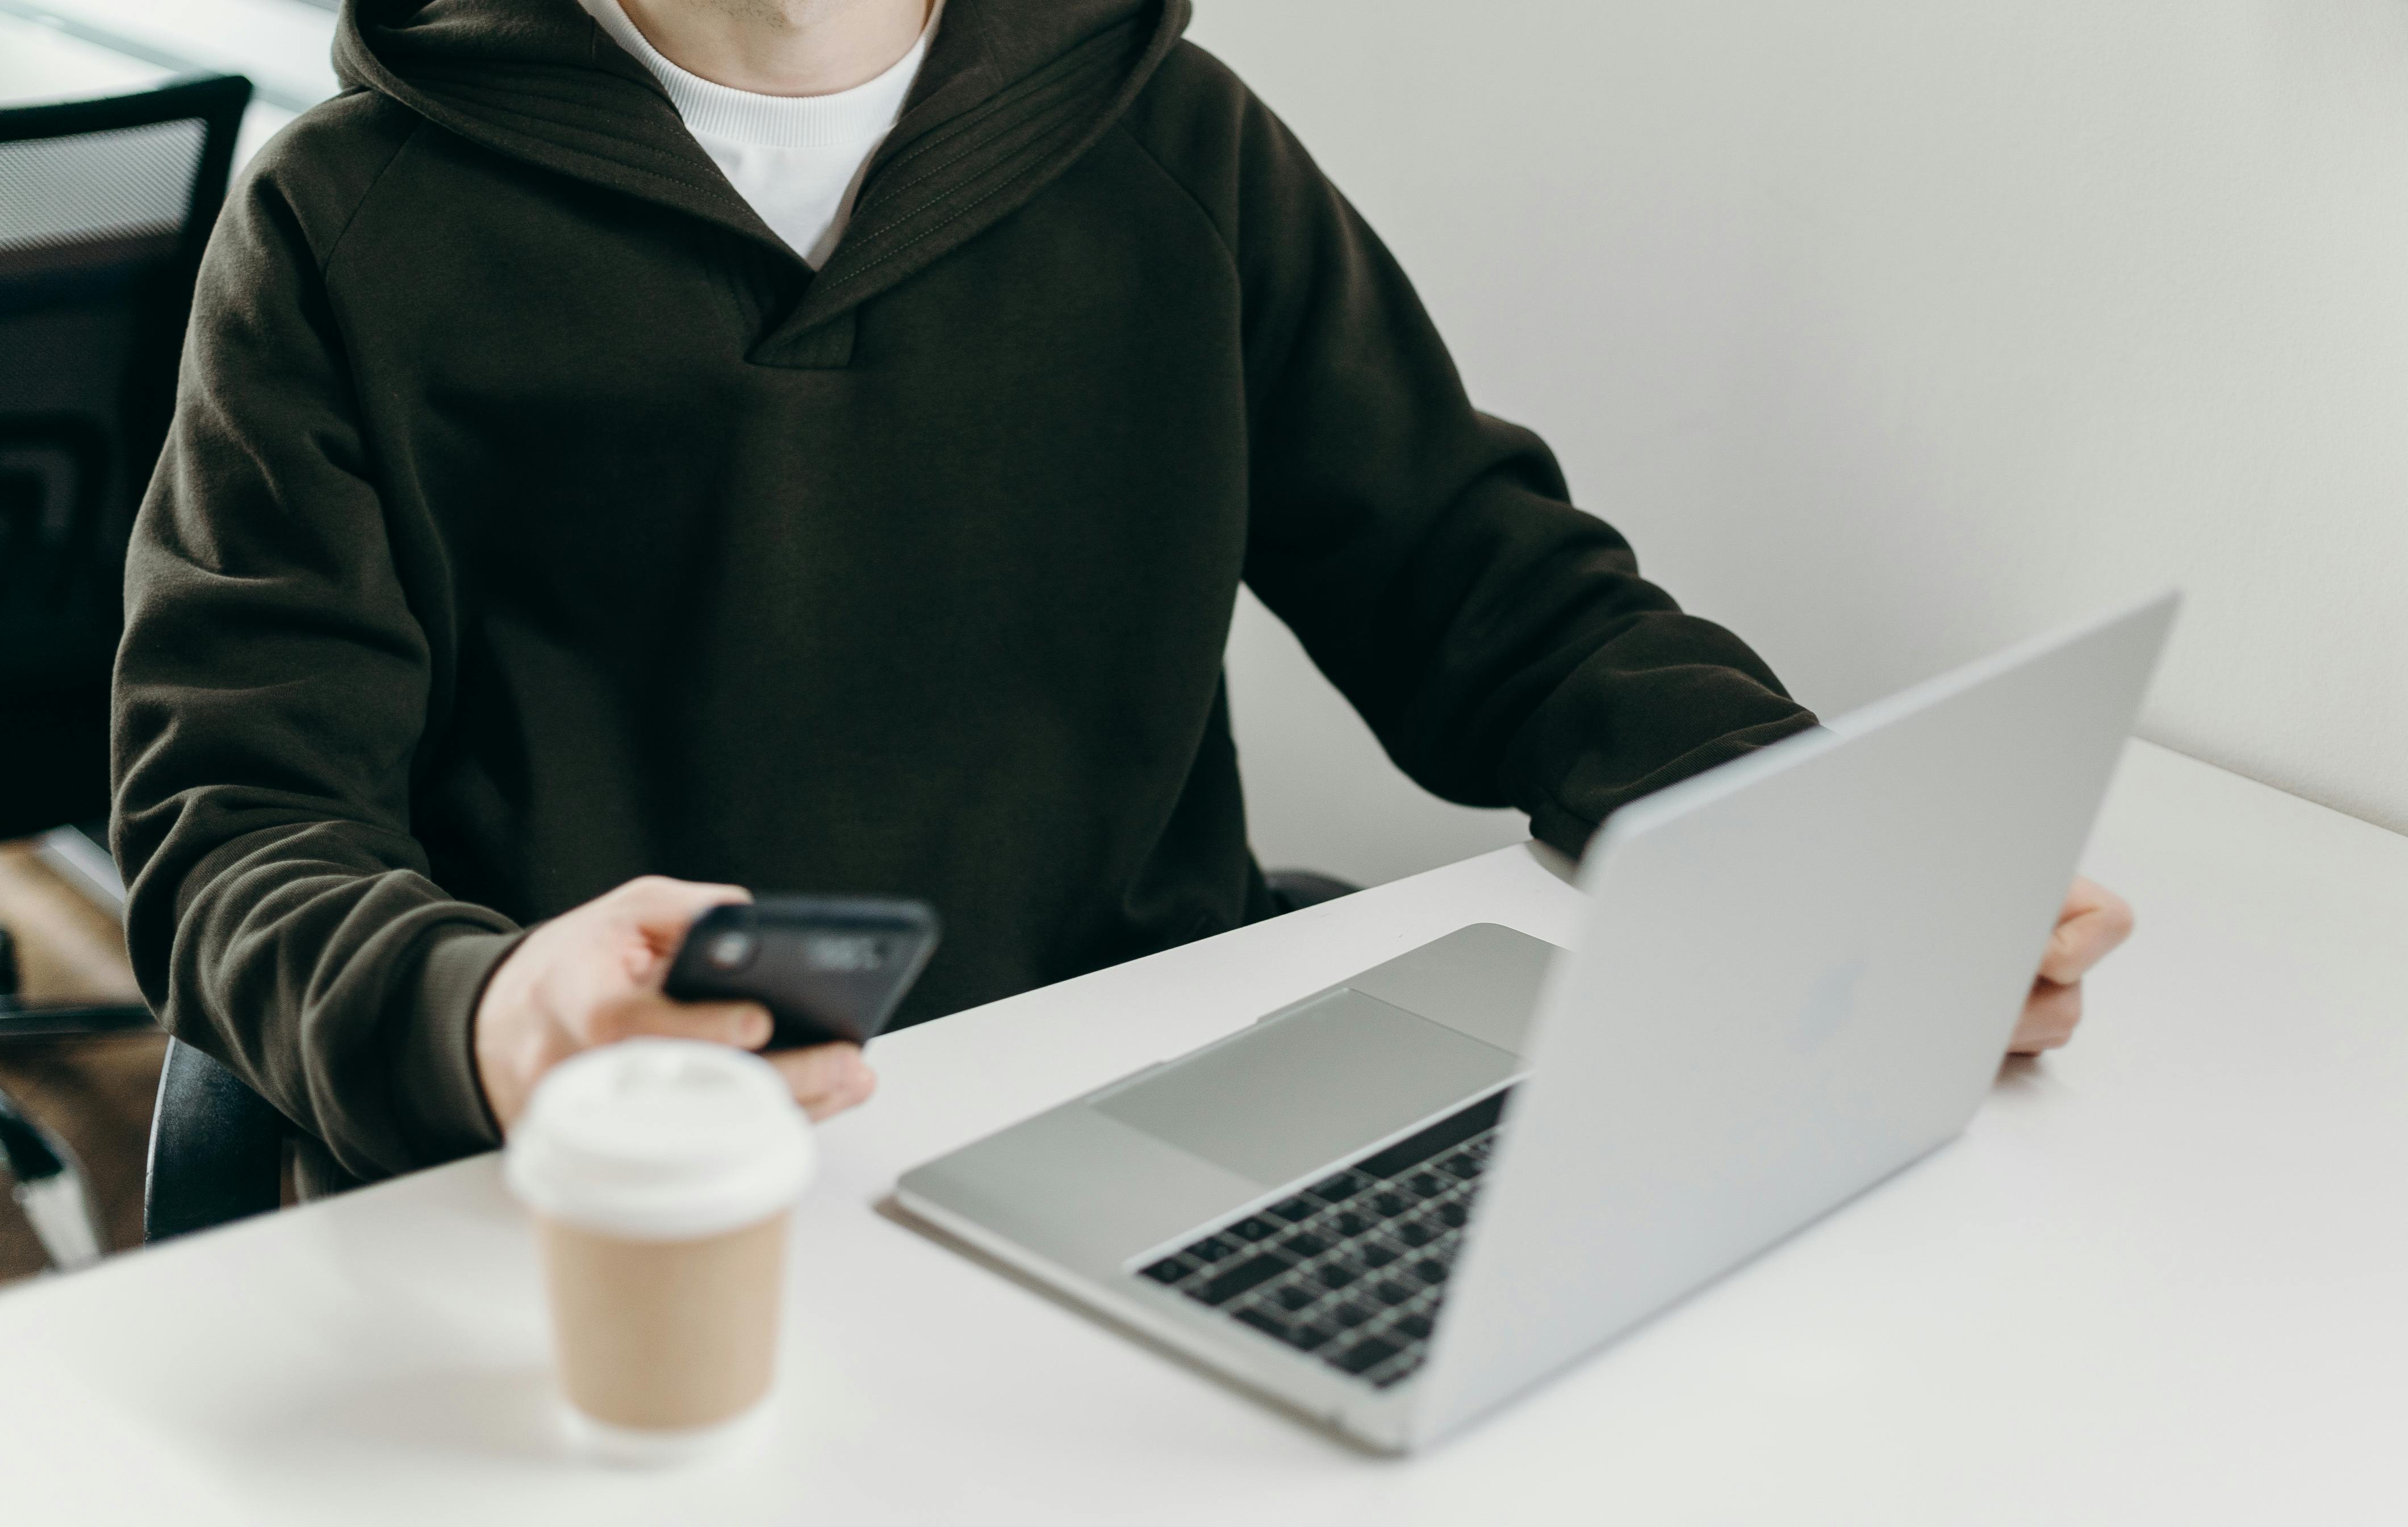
[{"x": 593, "y": 976}]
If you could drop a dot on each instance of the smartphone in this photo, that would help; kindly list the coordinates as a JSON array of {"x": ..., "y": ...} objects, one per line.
[{"x": 827, "y": 968}]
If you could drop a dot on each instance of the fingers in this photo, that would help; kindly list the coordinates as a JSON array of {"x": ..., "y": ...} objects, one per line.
[
  {"x": 2049, "y": 1016},
  {"x": 744, "y": 1025},
  {"x": 826, "y": 1078},
  {"x": 593, "y": 976},
  {"x": 2094, "y": 922},
  {"x": 661, "y": 909}
]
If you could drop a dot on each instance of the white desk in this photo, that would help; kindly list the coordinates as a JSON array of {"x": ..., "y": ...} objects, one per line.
[
  {"x": 282, "y": 45},
  {"x": 2161, "y": 1279},
  {"x": 40, "y": 63},
  {"x": 70, "y": 50}
]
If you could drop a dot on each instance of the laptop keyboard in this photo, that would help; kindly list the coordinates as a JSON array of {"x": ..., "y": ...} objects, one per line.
[{"x": 1352, "y": 1268}]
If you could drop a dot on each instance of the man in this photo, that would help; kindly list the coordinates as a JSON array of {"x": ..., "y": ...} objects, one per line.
[{"x": 807, "y": 444}]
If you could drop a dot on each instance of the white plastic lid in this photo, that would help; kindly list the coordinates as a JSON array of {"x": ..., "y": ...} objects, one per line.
[{"x": 661, "y": 1140}]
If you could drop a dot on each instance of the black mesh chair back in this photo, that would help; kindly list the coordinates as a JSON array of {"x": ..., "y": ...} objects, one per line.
[{"x": 105, "y": 208}]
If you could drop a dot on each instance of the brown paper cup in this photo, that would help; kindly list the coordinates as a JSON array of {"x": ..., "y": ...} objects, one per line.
[
  {"x": 666, "y": 1336},
  {"x": 662, "y": 1174}
]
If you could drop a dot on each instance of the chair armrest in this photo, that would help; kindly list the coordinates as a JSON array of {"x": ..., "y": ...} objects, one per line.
[
  {"x": 54, "y": 1020},
  {"x": 217, "y": 1148}
]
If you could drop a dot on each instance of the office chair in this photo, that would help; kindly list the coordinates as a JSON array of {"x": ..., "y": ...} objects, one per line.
[
  {"x": 105, "y": 208},
  {"x": 217, "y": 1150}
]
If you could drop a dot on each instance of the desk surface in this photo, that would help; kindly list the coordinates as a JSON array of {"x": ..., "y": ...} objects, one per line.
[
  {"x": 40, "y": 63},
  {"x": 2158, "y": 1279},
  {"x": 72, "y": 50},
  {"x": 285, "y": 46}
]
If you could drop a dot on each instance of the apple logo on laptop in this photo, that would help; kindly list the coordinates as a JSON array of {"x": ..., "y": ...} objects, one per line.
[{"x": 1830, "y": 1000}]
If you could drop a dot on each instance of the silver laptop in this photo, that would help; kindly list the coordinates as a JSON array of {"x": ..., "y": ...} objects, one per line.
[{"x": 1403, "y": 1201}]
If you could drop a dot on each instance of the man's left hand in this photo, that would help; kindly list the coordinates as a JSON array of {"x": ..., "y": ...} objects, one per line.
[{"x": 2094, "y": 922}]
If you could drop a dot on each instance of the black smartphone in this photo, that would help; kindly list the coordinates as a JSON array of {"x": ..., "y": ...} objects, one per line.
[{"x": 826, "y": 967}]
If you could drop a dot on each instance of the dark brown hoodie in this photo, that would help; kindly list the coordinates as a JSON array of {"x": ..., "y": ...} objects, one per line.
[{"x": 534, "y": 519}]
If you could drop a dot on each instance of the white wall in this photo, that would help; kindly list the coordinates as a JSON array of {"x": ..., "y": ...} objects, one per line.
[{"x": 1891, "y": 331}]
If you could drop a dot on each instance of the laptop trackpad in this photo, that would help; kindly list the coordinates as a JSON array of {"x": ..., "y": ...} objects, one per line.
[{"x": 1288, "y": 1097}]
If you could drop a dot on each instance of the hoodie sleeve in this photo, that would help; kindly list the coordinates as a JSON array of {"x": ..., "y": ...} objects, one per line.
[
  {"x": 1500, "y": 641},
  {"x": 272, "y": 689}
]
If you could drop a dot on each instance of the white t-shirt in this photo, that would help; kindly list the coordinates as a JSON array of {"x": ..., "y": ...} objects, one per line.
[{"x": 797, "y": 158}]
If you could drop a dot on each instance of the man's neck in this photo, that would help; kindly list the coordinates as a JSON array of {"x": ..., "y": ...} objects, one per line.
[{"x": 781, "y": 47}]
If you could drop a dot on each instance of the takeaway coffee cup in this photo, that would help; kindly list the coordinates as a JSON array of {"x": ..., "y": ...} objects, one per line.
[{"x": 661, "y": 1173}]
